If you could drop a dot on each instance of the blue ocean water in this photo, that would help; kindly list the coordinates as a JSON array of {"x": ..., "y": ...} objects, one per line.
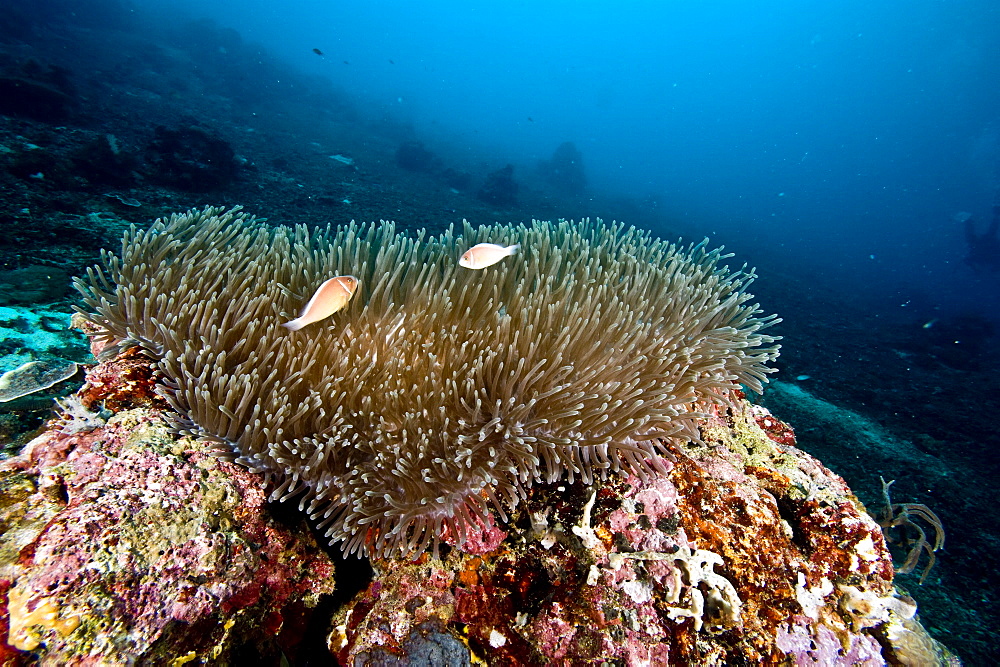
[
  {"x": 844, "y": 149},
  {"x": 840, "y": 139}
]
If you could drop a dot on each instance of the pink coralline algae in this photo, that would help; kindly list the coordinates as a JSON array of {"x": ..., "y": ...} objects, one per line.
[
  {"x": 746, "y": 551},
  {"x": 124, "y": 543}
]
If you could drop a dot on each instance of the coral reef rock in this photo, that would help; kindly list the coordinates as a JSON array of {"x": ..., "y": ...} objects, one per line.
[
  {"x": 564, "y": 171},
  {"x": 190, "y": 159},
  {"x": 123, "y": 543},
  {"x": 500, "y": 188},
  {"x": 747, "y": 551}
]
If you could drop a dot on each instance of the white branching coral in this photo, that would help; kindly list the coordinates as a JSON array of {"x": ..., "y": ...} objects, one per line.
[{"x": 438, "y": 394}]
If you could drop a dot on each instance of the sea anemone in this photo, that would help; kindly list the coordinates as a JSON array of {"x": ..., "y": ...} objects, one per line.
[{"x": 438, "y": 394}]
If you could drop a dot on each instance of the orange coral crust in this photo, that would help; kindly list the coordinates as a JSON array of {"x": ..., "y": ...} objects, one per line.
[{"x": 562, "y": 596}]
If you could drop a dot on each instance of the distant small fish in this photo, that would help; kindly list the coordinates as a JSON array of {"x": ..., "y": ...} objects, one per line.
[
  {"x": 530, "y": 119},
  {"x": 486, "y": 254},
  {"x": 331, "y": 296},
  {"x": 928, "y": 325},
  {"x": 317, "y": 52},
  {"x": 392, "y": 62},
  {"x": 347, "y": 62}
]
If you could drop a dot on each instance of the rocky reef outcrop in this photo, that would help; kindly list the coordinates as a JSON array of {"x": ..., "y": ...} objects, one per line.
[
  {"x": 748, "y": 551},
  {"x": 500, "y": 188},
  {"x": 124, "y": 543}
]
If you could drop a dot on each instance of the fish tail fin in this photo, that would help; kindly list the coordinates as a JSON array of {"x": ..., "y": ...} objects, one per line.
[
  {"x": 513, "y": 249},
  {"x": 294, "y": 325}
]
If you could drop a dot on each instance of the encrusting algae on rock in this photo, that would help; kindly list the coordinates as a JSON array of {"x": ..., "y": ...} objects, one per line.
[
  {"x": 125, "y": 543},
  {"x": 26, "y": 628},
  {"x": 746, "y": 551}
]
